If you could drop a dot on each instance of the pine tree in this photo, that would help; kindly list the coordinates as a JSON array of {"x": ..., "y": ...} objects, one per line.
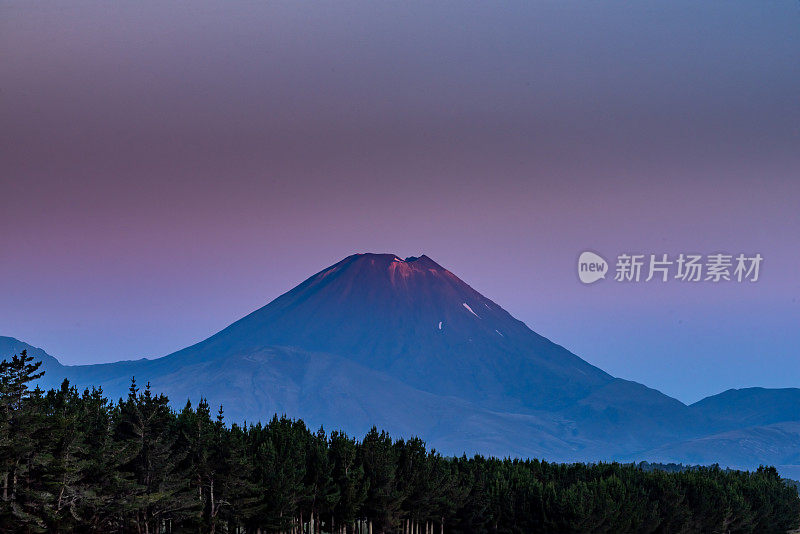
[
  {"x": 350, "y": 491},
  {"x": 378, "y": 457},
  {"x": 146, "y": 427},
  {"x": 21, "y": 429},
  {"x": 323, "y": 493}
]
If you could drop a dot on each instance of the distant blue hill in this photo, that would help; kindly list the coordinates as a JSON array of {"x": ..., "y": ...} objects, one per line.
[{"x": 737, "y": 408}]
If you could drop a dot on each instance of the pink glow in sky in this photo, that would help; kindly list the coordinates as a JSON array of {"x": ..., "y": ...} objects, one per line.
[{"x": 166, "y": 168}]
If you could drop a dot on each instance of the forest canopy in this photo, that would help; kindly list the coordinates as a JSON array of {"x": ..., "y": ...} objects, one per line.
[{"x": 73, "y": 461}]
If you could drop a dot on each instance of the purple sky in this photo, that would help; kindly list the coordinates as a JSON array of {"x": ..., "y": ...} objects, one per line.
[{"x": 167, "y": 167}]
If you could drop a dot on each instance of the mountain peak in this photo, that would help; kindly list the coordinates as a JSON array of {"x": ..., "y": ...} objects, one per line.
[
  {"x": 424, "y": 261},
  {"x": 385, "y": 259},
  {"x": 380, "y": 268},
  {"x": 416, "y": 320}
]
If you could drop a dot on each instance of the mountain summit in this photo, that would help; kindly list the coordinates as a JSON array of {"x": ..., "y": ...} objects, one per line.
[
  {"x": 407, "y": 345},
  {"x": 421, "y": 324}
]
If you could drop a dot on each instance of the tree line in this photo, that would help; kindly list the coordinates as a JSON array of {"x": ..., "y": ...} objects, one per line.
[{"x": 75, "y": 461}]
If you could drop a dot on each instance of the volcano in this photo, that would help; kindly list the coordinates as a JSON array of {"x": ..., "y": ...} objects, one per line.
[
  {"x": 408, "y": 346},
  {"x": 419, "y": 323}
]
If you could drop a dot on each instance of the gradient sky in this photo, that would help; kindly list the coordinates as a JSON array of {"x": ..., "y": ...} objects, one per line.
[{"x": 167, "y": 167}]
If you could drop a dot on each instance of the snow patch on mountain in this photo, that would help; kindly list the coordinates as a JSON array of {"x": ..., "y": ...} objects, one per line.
[{"x": 470, "y": 310}]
